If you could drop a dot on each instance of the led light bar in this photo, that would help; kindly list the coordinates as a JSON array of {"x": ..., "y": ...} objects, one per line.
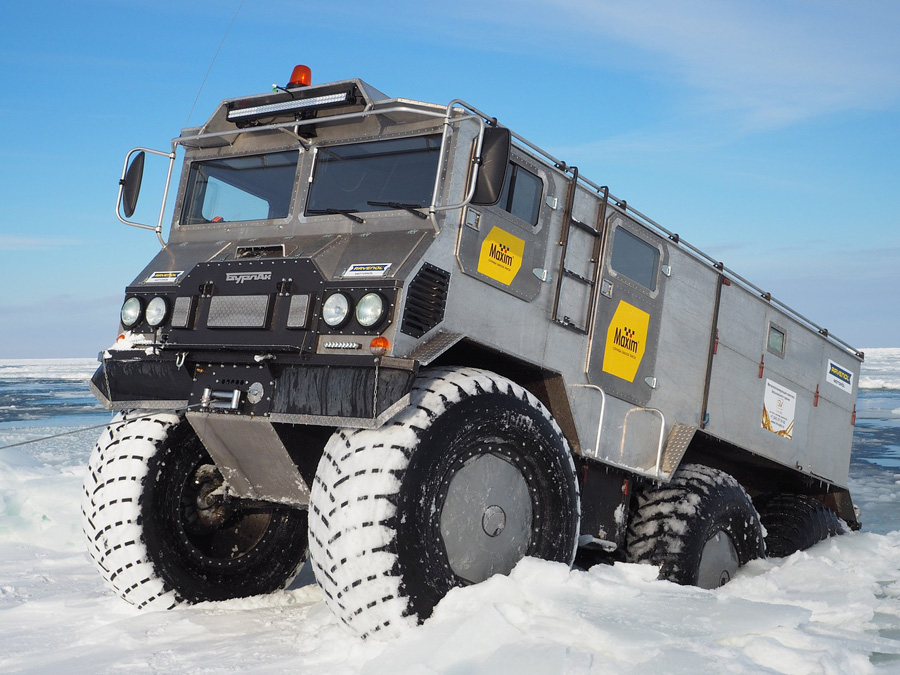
[{"x": 271, "y": 109}]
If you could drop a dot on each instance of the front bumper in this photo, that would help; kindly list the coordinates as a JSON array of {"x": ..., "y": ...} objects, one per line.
[{"x": 354, "y": 391}]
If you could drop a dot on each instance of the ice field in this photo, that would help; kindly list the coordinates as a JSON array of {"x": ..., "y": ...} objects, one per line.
[{"x": 832, "y": 609}]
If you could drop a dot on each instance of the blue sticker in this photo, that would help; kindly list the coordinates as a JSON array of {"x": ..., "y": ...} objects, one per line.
[
  {"x": 840, "y": 377},
  {"x": 163, "y": 277}
]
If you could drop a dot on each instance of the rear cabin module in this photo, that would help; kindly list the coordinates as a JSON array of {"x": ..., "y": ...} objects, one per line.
[{"x": 406, "y": 341}]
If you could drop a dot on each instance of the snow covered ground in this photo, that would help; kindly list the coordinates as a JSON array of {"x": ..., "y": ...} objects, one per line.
[{"x": 832, "y": 609}]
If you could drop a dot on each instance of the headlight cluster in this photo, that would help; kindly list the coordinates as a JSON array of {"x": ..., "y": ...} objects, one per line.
[
  {"x": 133, "y": 310},
  {"x": 369, "y": 310}
]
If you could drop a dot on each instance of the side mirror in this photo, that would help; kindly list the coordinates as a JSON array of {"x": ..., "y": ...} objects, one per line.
[
  {"x": 131, "y": 184},
  {"x": 494, "y": 160}
]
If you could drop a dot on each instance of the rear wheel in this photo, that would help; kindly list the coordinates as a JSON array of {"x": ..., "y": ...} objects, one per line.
[
  {"x": 471, "y": 477},
  {"x": 162, "y": 528},
  {"x": 795, "y": 522},
  {"x": 699, "y": 528}
]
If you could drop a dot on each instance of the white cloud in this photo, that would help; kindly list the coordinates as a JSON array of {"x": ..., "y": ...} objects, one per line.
[
  {"x": 772, "y": 62},
  {"x": 768, "y": 62},
  {"x": 15, "y": 243}
]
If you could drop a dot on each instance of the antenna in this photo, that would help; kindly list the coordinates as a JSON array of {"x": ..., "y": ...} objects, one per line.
[{"x": 215, "y": 56}]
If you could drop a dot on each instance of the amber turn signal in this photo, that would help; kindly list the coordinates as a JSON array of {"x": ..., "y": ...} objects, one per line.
[{"x": 379, "y": 345}]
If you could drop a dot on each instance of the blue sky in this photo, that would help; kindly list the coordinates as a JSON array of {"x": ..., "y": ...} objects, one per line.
[{"x": 766, "y": 133}]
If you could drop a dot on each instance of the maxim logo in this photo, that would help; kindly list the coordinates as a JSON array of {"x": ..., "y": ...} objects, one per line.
[
  {"x": 241, "y": 277},
  {"x": 500, "y": 253},
  {"x": 624, "y": 338}
]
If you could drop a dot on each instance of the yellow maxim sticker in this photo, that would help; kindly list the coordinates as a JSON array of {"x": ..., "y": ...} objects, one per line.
[
  {"x": 501, "y": 256},
  {"x": 626, "y": 340}
]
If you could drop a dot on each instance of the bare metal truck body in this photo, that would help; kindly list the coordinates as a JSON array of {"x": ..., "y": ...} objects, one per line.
[{"x": 331, "y": 247}]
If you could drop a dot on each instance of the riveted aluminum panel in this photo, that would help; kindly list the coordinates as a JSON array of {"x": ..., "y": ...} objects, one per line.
[
  {"x": 804, "y": 433},
  {"x": 503, "y": 251},
  {"x": 627, "y": 323}
]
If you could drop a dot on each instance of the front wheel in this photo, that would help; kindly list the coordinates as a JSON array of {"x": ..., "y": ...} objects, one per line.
[
  {"x": 699, "y": 528},
  {"x": 473, "y": 476},
  {"x": 161, "y": 526}
]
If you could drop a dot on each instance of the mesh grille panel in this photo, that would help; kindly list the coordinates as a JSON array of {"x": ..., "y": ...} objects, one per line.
[
  {"x": 238, "y": 311},
  {"x": 298, "y": 311},
  {"x": 181, "y": 313}
]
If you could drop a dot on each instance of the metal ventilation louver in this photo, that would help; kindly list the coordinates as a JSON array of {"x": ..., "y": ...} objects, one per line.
[{"x": 426, "y": 298}]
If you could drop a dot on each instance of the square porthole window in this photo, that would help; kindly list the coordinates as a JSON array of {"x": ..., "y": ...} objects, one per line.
[
  {"x": 635, "y": 258},
  {"x": 521, "y": 194},
  {"x": 777, "y": 339}
]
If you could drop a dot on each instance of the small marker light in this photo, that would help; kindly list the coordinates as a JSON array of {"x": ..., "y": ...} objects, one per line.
[
  {"x": 301, "y": 77},
  {"x": 379, "y": 345}
]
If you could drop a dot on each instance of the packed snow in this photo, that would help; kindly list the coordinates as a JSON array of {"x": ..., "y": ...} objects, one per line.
[{"x": 832, "y": 609}]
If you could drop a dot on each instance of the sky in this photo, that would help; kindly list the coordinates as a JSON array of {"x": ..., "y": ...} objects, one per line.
[{"x": 764, "y": 132}]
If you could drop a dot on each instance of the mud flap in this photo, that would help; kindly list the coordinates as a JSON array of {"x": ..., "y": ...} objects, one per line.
[{"x": 253, "y": 460}]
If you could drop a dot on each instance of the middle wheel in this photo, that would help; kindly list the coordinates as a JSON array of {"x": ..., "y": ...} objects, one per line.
[{"x": 480, "y": 476}]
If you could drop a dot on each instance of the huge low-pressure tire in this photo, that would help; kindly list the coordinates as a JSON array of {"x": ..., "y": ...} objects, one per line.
[
  {"x": 462, "y": 484},
  {"x": 699, "y": 528},
  {"x": 794, "y": 522},
  {"x": 161, "y": 531}
]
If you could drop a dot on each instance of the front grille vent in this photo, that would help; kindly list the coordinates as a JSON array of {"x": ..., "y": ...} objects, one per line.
[
  {"x": 273, "y": 251},
  {"x": 238, "y": 311},
  {"x": 426, "y": 298}
]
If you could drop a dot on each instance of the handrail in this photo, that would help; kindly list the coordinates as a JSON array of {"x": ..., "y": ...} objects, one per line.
[
  {"x": 651, "y": 224},
  {"x": 747, "y": 285},
  {"x": 473, "y": 180},
  {"x": 446, "y": 114},
  {"x": 368, "y": 112},
  {"x": 662, "y": 434},
  {"x": 482, "y": 118},
  {"x": 600, "y": 419}
]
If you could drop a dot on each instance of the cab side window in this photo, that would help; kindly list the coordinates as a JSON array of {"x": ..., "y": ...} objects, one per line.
[{"x": 521, "y": 195}]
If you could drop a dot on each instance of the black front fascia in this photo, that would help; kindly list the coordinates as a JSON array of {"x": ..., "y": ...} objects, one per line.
[
  {"x": 246, "y": 304},
  {"x": 128, "y": 380},
  {"x": 338, "y": 386}
]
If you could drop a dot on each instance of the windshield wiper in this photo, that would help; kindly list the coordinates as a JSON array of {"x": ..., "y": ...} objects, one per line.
[
  {"x": 412, "y": 208},
  {"x": 338, "y": 212}
]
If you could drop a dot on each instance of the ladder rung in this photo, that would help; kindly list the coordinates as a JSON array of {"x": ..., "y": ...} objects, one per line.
[
  {"x": 578, "y": 277},
  {"x": 584, "y": 226},
  {"x": 565, "y": 322}
]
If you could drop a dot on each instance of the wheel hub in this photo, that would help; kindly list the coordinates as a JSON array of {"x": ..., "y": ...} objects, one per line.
[
  {"x": 211, "y": 503},
  {"x": 493, "y": 521},
  {"x": 486, "y": 518},
  {"x": 718, "y": 561}
]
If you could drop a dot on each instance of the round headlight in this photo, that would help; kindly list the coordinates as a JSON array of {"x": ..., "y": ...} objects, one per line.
[
  {"x": 131, "y": 311},
  {"x": 336, "y": 309},
  {"x": 370, "y": 310},
  {"x": 156, "y": 311}
]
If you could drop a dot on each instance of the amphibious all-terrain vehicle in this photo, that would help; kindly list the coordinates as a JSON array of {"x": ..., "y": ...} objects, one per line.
[{"x": 402, "y": 339}]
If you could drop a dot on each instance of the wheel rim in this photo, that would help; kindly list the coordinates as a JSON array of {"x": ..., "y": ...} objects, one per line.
[
  {"x": 486, "y": 518},
  {"x": 718, "y": 561},
  {"x": 212, "y": 530}
]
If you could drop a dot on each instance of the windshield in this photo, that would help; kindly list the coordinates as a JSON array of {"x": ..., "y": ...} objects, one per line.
[
  {"x": 374, "y": 176},
  {"x": 252, "y": 187}
]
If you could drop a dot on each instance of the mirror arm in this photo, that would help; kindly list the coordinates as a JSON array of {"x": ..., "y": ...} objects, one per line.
[
  {"x": 158, "y": 227},
  {"x": 476, "y": 160}
]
